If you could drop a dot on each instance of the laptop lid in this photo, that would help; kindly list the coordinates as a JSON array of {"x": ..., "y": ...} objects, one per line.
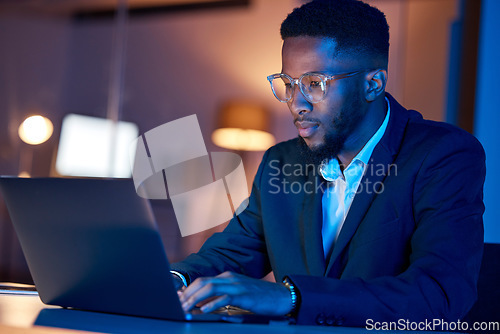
[{"x": 92, "y": 244}]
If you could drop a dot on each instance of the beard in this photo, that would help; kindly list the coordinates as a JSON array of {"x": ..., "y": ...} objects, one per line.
[
  {"x": 330, "y": 148},
  {"x": 343, "y": 125}
]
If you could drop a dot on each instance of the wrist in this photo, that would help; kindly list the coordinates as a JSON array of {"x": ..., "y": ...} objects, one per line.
[{"x": 294, "y": 297}]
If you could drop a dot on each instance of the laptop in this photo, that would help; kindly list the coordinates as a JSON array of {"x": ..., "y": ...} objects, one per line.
[{"x": 93, "y": 244}]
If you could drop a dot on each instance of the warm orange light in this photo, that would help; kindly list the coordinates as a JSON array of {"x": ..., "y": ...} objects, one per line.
[
  {"x": 35, "y": 130},
  {"x": 243, "y": 126},
  {"x": 24, "y": 174},
  {"x": 243, "y": 139}
]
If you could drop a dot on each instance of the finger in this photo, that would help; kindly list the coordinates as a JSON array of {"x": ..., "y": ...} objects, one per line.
[
  {"x": 212, "y": 288},
  {"x": 198, "y": 296},
  {"x": 197, "y": 284},
  {"x": 216, "y": 303},
  {"x": 200, "y": 283},
  {"x": 203, "y": 302}
]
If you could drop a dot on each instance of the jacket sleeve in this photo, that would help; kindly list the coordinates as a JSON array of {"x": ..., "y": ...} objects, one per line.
[
  {"x": 240, "y": 248},
  {"x": 446, "y": 249}
]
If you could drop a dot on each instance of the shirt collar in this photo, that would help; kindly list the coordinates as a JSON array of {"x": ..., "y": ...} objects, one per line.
[{"x": 331, "y": 170}]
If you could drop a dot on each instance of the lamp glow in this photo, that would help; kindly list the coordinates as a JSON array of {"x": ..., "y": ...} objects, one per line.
[
  {"x": 35, "y": 130},
  {"x": 243, "y": 139},
  {"x": 243, "y": 126}
]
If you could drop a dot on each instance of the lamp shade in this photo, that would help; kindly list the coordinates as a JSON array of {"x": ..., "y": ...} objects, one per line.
[{"x": 243, "y": 126}]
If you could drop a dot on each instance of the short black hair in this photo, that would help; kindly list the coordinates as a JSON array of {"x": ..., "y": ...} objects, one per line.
[{"x": 355, "y": 26}]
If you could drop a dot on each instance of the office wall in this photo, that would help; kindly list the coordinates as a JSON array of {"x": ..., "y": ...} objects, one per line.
[
  {"x": 32, "y": 63},
  {"x": 426, "y": 55},
  {"x": 32, "y": 67},
  {"x": 487, "y": 116},
  {"x": 184, "y": 63}
]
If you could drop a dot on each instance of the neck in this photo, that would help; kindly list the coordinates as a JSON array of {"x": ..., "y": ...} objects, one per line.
[{"x": 361, "y": 135}]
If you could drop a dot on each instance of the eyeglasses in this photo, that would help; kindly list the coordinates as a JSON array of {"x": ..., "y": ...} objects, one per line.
[{"x": 313, "y": 85}]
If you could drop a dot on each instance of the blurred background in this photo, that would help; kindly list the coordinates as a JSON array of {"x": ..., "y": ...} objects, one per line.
[{"x": 148, "y": 62}]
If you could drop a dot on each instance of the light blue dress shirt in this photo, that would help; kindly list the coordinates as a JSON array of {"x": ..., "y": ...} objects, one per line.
[{"x": 343, "y": 186}]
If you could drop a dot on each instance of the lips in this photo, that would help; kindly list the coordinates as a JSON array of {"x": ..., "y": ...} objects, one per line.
[{"x": 306, "y": 128}]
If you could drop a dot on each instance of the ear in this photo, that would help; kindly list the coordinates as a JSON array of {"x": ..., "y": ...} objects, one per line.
[{"x": 375, "y": 84}]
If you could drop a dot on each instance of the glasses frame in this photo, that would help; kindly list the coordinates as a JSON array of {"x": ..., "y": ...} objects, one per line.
[{"x": 296, "y": 82}]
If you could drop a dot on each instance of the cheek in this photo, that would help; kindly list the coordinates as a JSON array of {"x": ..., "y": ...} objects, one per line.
[
  {"x": 332, "y": 109},
  {"x": 337, "y": 106}
]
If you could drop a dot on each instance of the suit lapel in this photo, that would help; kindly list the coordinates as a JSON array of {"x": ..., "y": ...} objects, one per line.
[
  {"x": 310, "y": 229},
  {"x": 381, "y": 160}
]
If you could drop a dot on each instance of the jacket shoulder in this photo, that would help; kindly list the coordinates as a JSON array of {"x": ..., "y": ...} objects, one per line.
[{"x": 429, "y": 132}]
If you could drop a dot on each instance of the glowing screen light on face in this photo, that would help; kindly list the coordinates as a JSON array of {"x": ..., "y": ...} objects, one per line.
[{"x": 95, "y": 147}]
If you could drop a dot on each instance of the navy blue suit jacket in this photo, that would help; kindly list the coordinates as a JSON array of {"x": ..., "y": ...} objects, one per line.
[{"x": 410, "y": 247}]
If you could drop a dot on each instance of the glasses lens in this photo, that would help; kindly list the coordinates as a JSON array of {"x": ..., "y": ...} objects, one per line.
[
  {"x": 282, "y": 88},
  {"x": 313, "y": 87}
]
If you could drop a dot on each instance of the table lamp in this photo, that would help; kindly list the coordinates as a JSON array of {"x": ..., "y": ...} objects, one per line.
[{"x": 243, "y": 126}]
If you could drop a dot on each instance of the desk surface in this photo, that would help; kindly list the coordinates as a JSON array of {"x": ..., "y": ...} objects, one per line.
[{"x": 27, "y": 314}]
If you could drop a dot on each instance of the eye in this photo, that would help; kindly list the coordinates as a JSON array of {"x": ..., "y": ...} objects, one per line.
[{"x": 315, "y": 84}]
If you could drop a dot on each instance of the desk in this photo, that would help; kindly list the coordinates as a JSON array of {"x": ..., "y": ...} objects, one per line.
[{"x": 27, "y": 314}]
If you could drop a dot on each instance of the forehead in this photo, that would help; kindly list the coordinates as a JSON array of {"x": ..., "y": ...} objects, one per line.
[{"x": 307, "y": 54}]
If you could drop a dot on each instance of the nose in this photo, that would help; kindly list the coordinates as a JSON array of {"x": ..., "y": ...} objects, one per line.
[{"x": 298, "y": 105}]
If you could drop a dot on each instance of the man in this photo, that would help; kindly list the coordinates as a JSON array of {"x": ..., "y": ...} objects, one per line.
[{"x": 371, "y": 213}]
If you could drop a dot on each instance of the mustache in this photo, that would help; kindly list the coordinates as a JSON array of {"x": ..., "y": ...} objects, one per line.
[{"x": 305, "y": 119}]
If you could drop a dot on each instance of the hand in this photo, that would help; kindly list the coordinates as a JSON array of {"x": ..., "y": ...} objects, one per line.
[{"x": 257, "y": 296}]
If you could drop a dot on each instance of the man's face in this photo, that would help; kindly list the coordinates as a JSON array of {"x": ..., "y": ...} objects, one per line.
[{"x": 324, "y": 126}]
